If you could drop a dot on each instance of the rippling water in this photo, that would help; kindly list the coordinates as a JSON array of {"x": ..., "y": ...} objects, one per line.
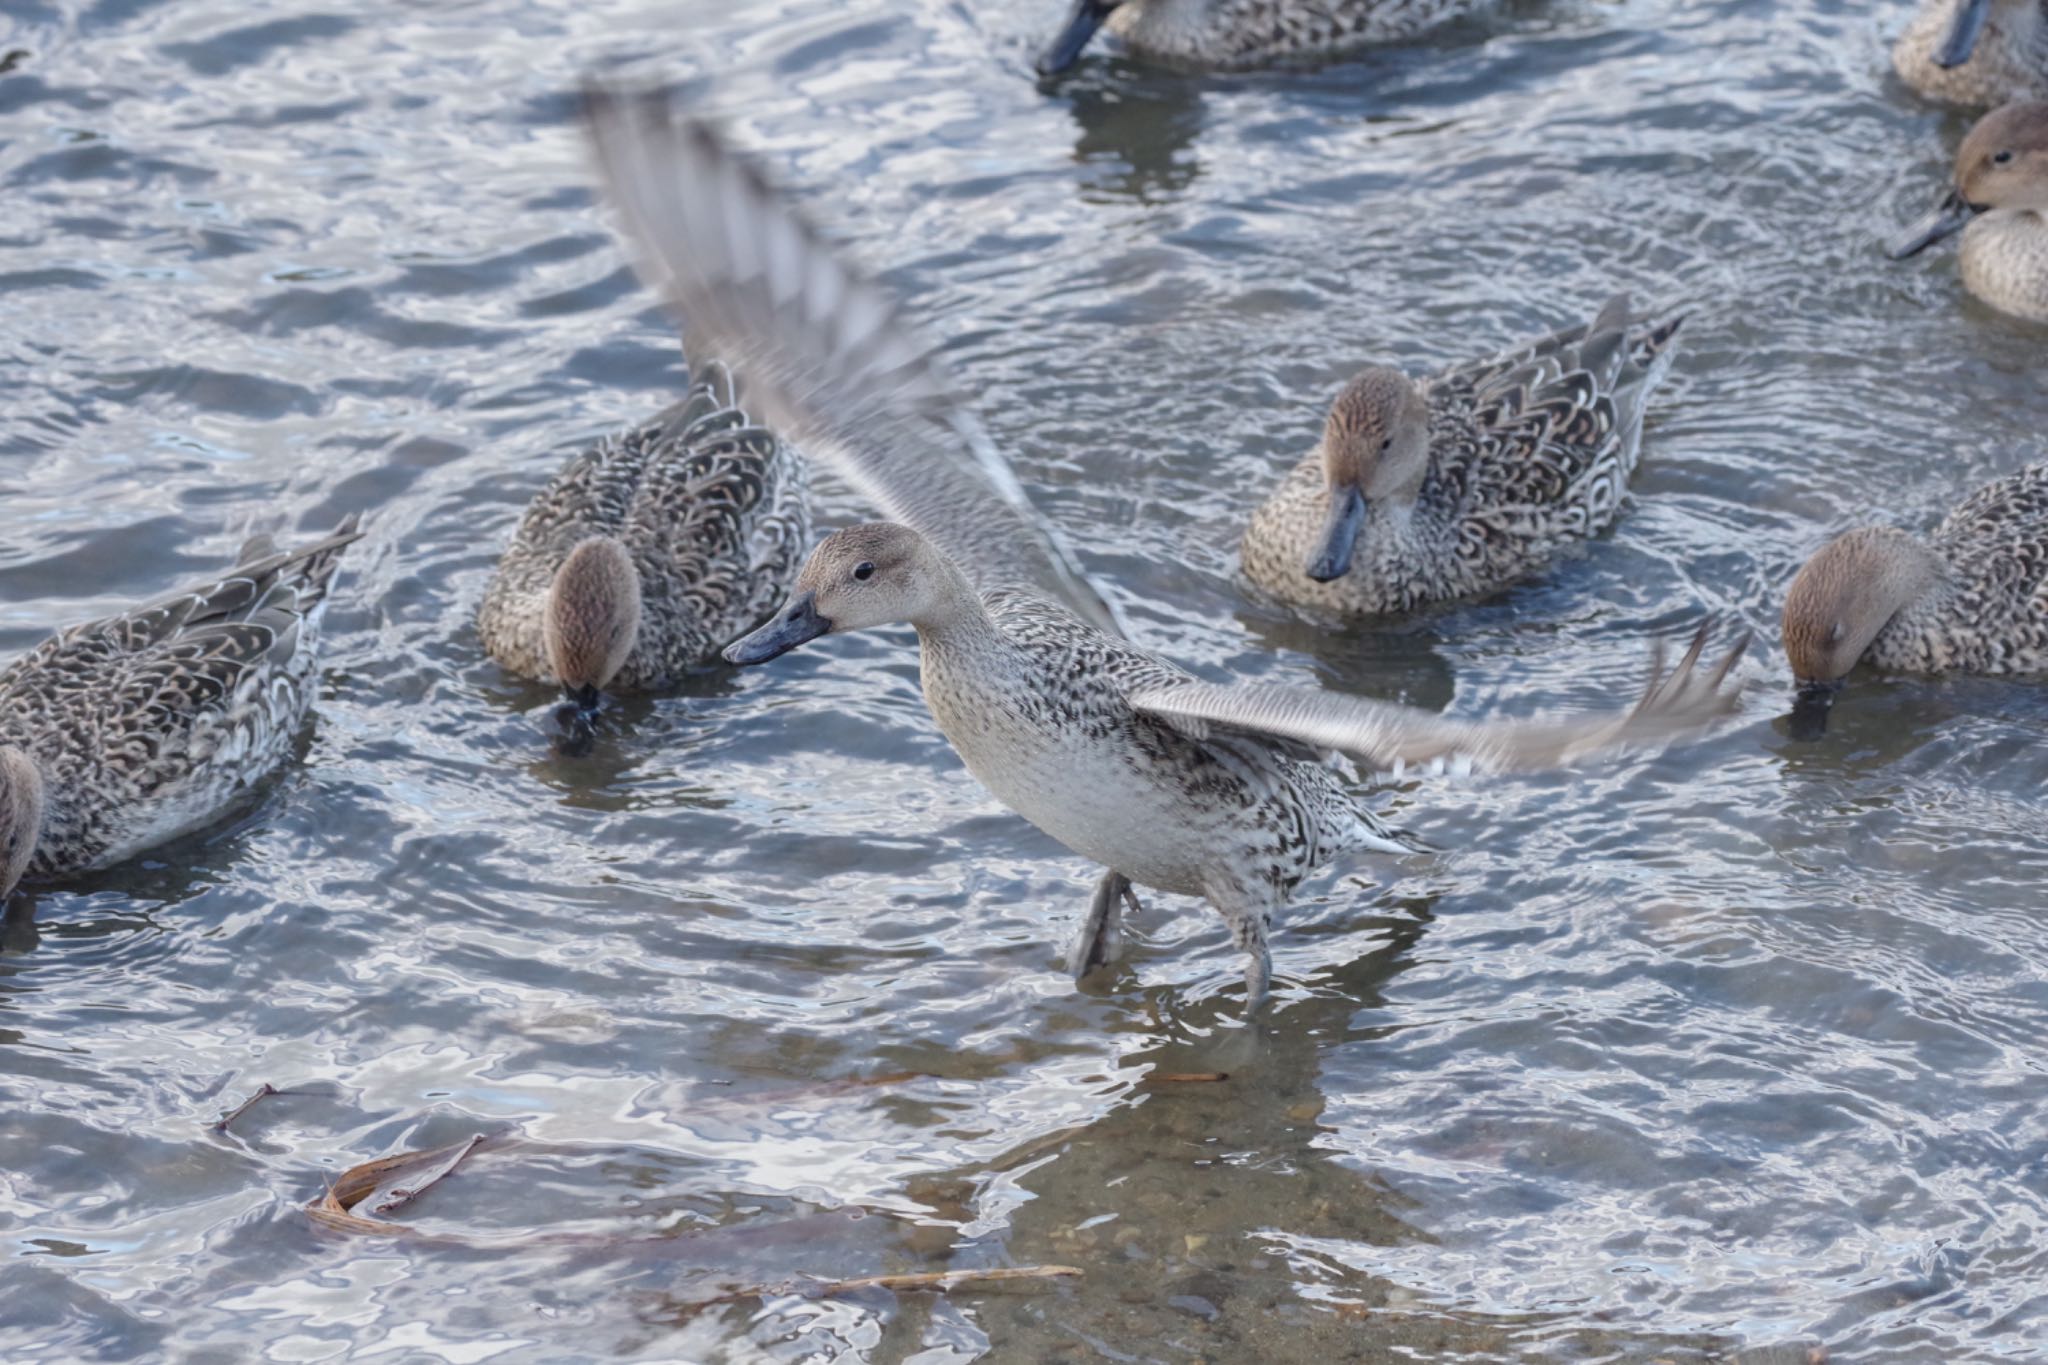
[{"x": 1732, "y": 1052}]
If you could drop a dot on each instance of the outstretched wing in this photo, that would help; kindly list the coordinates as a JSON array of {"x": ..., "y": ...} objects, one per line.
[
  {"x": 819, "y": 347},
  {"x": 1674, "y": 704}
]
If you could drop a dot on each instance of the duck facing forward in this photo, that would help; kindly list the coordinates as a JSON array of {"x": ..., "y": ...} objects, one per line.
[
  {"x": 1234, "y": 35},
  {"x": 1120, "y": 755},
  {"x": 121, "y": 733},
  {"x": 1972, "y": 598},
  {"x": 649, "y": 551},
  {"x": 2000, "y": 204},
  {"x": 1976, "y": 52},
  {"x": 1465, "y": 483}
]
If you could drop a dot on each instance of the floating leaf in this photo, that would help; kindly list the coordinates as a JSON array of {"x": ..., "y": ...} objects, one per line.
[{"x": 386, "y": 1185}]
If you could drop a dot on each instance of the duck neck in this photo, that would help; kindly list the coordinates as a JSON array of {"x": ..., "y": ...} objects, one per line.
[{"x": 956, "y": 621}]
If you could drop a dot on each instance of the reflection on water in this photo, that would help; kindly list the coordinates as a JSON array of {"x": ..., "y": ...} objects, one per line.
[{"x": 1729, "y": 1053}]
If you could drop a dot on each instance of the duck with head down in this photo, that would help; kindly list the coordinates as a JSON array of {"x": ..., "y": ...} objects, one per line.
[
  {"x": 1232, "y": 35},
  {"x": 1999, "y": 202},
  {"x": 647, "y": 552},
  {"x": 1467, "y": 482},
  {"x": 1972, "y": 598},
  {"x": 1976, "y": 52}
]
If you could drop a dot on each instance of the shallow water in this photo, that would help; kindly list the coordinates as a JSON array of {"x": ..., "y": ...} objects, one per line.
[{"x": 1733, "y": 1051}]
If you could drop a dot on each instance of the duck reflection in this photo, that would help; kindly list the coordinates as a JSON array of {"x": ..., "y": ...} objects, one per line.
[
  {"x": 1136, "y": 132},
  {"x": 1387, "y": 661},
  {"x": 18, "y": 932},
  {"x": 1165, "y": 1185}
]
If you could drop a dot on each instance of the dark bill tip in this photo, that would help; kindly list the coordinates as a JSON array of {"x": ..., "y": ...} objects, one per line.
[
  {"x": 576, "y": 721},
  {"x": 1963, "y": 31},
  {"x": 1810, "y": 707},
  {"x": 1082, "y": 21},
  {"x": 1332, "y": 557},
  {"x": 797, "y": 622},
  {"x": 1948, "y": 218}
]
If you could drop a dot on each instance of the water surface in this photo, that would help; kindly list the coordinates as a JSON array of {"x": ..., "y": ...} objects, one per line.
[{"x": 1732, "y": 1052}]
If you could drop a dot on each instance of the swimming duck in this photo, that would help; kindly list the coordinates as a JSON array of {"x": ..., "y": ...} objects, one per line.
[
  {"x": 1167, "y": 781},
  {"x": 121, "y": 733},
  {"x": 1973, "y": 598},
  {"x": 2000, "y": 205},
  {"x": 1976, "y": 52},
  {"x": 1234, "y": 35},
  {"x": 1465, "y": 483},
  {"x": 648, "y": 551}
]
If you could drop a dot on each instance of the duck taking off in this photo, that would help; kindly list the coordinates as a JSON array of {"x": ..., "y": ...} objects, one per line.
[
  {"x": 648, "y": 551},
  {"x": 1169, "y": 782},
  {"x": 1460, "y": 485},
  {"x": 121, "y": 733},
  {"x": 1236, "y": 35},
  {"x": 1976, "y": 52},
  {"x": 2000, "y": 204},
  {"x": 1972, "y": 598}
]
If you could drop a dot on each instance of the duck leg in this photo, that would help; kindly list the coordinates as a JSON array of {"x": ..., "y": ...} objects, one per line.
[
  {"x": 1249, "y": 915},
  {"x": 1101, "y": 940}
]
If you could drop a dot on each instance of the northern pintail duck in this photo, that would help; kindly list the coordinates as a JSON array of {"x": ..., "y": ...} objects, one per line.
[
  {"x": 1232, "y": 35},
  {"x": 2000, "y": 204},
  {"x": 1972, "y": 598},
  {"x": 121, "y": 733},
  {"x": 649, "y": 551},
  {"x": 1976, "y": 52},
  {"x": 1167, "y": 781},
  {"x": 1464, "y": 483}
]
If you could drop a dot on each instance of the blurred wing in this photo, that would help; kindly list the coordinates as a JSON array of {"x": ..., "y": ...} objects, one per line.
[
  {"x": 819, "y": 348},
  {"x": 1687, "y": 699}
]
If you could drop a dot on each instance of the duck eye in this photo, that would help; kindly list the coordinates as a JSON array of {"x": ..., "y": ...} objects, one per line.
[
  {"x": 1386, "y": 445},
  {"x": 2002, "y": 158},
  {"x": 864, "y": 570}
]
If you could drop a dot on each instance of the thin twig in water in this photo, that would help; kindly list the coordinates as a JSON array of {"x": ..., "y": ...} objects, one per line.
[
  {"x": 226, "y": 1121},
  {"x": 940, "y": 1280}
]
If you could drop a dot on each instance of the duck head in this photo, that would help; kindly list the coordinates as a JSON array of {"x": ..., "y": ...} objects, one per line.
[
  {"x": 21, "y": 815},
  {"x": 875, "y": 574},
  {"x": 589, "y": 626},
  {"x": 2003, "y": 164},
  {"x": 1082, "y": 20},
  {"x": 1375, "y": 449},
  {"x": 1838, "y": 604}
]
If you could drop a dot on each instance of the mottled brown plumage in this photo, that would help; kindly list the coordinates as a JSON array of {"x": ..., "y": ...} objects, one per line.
[
  {"x": 120, "y": 733},
  {"x": 651, "y": 549},
  {"x": 1971, "y": 598},
  {"x": 1233, "y": 35},
  {"x": 1465, "y": 483}
]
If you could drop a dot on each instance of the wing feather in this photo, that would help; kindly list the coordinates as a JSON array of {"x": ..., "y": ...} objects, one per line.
[
  {"x": 819, "y": 347},
  {"x": 1687, "y": 699}
]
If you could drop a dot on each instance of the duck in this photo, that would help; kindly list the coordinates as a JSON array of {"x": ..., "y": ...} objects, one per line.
[
  {"x": 1164, "y": 780},
  {"x": 647, "y": 552},
  {"x": 1999, "y": 203},
  {"x": 122, "y": 733},
  {"x": 1976, "y": 53},
  {"x": 1462, "y": 484},
  {"x": 1971, "y": 598},
  {"x": 1237, "y": 35}
]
